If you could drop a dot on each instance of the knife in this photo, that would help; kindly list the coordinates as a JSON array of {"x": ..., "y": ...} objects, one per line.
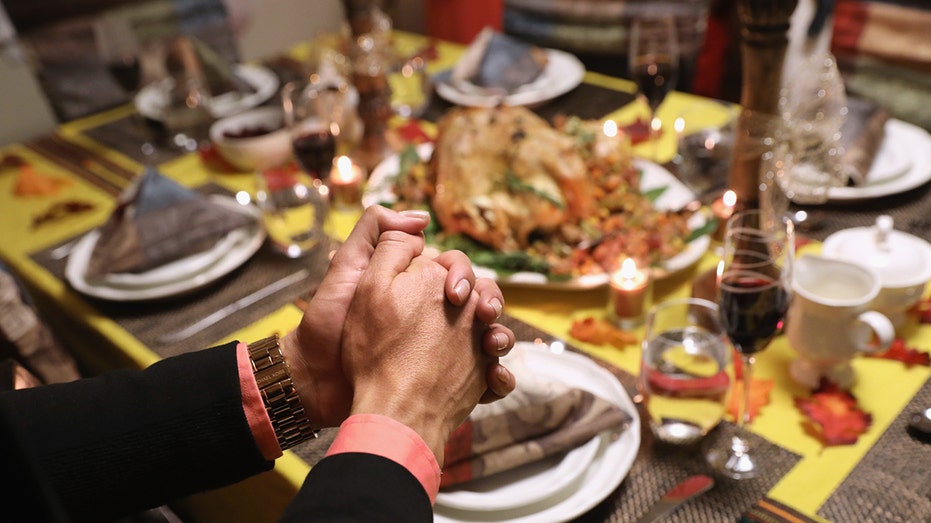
[
  {"x": 239, "y": 304},
  {"x": 676, "y": 496}
]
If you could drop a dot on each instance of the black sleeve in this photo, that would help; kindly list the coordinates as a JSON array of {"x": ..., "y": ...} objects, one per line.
[
  {"x": 129, "y": 440},
  {"x": 357, "y": 487}
]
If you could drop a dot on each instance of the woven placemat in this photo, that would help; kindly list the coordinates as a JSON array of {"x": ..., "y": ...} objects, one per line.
[
  {"x": 892, "y": 483},
  {"x": 127, "y": 135}
]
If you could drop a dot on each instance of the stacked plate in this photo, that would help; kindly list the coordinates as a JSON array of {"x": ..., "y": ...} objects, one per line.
[
  {"x": 174, "y": 278},
  {"x": 563, "y": 486}
]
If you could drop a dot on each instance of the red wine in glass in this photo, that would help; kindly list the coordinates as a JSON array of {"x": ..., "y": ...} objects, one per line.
[
  {"x": 314, "y": 150},
  {"x": 655, "y": 76},
  {"x": 752, "y": 308}
]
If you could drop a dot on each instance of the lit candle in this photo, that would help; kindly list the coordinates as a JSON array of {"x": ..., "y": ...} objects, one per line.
[
  {"x": 346, "y": 183},
  {"x": 723, "y": 208},
  {"x": 631, "y": 295}
]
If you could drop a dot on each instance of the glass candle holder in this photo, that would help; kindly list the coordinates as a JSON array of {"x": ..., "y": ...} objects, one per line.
[{"x": 631, "y": 295}]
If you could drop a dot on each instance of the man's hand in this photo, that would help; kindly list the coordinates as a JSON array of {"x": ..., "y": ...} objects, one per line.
[
  {"x": 313, "y": 348},
  {"x": 409, "y": 353}
]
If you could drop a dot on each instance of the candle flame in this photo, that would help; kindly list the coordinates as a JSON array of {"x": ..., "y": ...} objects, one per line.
[
  {"x": 679, "y": 125},
  {"x": 610, "y": 128},
  {"x": 344, "y": 170},
  {"x": 729, "y": 198},
  {"x": 628, "y": 269}
]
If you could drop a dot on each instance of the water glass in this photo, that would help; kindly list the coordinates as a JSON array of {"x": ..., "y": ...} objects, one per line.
[
  {"x": 683, "y": 371},
  {"x": 294, "y": 209}
]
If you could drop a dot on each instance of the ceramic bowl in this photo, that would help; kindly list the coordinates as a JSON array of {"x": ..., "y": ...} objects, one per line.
[{"x": 253, "y": 140}]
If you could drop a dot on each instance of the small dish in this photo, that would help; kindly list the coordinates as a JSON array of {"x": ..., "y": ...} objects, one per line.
[{"x": 253, "y": 140}]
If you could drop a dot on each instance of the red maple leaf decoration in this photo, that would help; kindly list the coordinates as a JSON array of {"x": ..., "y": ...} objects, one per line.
[
  {"x": 834, "y": 416},
  {"x": 638, "y": 131},
  {"x": 899, "y": 351}
]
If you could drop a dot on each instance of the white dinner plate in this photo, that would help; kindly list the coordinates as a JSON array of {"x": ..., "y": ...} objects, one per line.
[
  {"x": 675, "y": 196},
  {"x": 151, "y": 100},
  {"x": 247, "y": 242},
  {"x": 612, "y": 461},
  {"x": 902, "y": 163},
  {"x": 563, "y": 73}
]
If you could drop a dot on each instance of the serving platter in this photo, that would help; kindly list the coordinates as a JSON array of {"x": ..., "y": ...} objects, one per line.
[{"x": 674, "y": 196}]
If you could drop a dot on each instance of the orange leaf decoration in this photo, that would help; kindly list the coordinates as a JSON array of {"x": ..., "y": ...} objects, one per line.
[
  {"x": 835, "y": 417},
  {"x": 910, "y": 356},
  {"x": 759, "y": 396},
  {"x": 600, "y": 331},
  {"x": 32, "y": 183}
]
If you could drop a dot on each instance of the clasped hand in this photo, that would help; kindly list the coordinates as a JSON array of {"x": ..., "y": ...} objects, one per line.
[{"x": 393, "y": 331}]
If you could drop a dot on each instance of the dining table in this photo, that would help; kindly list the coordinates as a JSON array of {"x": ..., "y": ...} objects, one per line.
[{"x": 885, "y": 475}]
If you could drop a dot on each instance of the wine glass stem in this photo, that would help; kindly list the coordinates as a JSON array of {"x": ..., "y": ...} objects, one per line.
[{"x": 747, "y": 376}]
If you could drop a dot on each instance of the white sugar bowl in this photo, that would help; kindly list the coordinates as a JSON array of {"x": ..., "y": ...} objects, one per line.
[{"x": 903, "y": 262}]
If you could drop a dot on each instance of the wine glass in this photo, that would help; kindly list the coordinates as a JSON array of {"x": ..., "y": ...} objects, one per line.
[
  {"x": 754, "y": 290},
  {"x": 120, "y": 50},
  {"x": 683, "y": 374},
  {"x": 653, "y": 61},
  {"x": 312, "y": 114}
]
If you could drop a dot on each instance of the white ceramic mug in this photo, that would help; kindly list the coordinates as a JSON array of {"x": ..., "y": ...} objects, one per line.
[{"x": 830, "y": 321}]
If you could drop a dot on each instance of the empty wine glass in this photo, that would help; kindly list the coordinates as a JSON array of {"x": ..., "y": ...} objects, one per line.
[
  {"x": 653, "y": 61},
  {"x": 754, "y": 290}
]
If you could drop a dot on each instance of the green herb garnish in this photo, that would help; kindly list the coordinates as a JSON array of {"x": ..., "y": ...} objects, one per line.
[{"x": 515, "y": 184}]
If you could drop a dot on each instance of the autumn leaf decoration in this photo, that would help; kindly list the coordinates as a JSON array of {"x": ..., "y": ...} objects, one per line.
[
  {"x": 834, "y": 417},
  {"x": 760, "y": 390},
  {"x": 899, "y": 351},
  {"x": 600, "y": 331}
]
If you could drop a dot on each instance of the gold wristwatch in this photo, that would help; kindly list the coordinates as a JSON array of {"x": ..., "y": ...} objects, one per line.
[{"x": 281, "y": 399}]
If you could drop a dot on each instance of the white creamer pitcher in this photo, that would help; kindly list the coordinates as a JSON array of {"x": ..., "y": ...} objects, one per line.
[{"x": 830, "y": 321}]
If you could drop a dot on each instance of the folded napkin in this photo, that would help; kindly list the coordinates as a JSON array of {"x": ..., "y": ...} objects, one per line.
[
  {"x": 540, "y": 418},
  {"x": 157, "y": 221},
  {"x": 499, "y": 62},
  {"x": 861, "y": 135}
]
